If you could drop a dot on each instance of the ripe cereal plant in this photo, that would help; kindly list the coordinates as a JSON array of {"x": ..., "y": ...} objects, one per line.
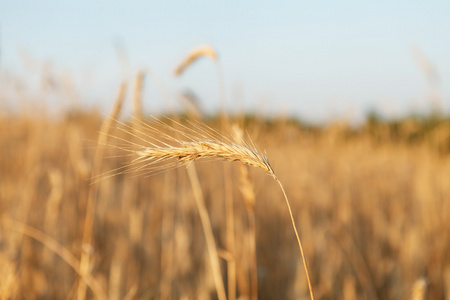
[
  {"x": 205, "y": 50},
  {"x": 93, "y": 191},
  {"x": 248, "y": 193},
  {"x": 195, "y": 54},
  {"x": 158, "y": 149}
]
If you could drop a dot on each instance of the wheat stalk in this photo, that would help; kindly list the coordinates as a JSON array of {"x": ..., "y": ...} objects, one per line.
[
  {"x": 93, "y": 191},
  {"x": 195, "y": 54},
  {"x": 200, "y": 142},
  {"x": 59, "y": 250},
  {"x": 248, "y": 193}
]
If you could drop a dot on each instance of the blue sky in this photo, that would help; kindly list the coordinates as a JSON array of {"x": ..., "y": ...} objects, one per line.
[{"x": 315, "y": 59}]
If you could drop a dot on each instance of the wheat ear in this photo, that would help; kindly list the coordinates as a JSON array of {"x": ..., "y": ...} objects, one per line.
[
  {"x": 201, "y": 142},
  {"x": 196, "y": 53}
]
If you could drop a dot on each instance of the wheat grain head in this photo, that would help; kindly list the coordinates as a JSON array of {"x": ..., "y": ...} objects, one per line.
[
  {"x": 196, "y": 53},
  {"x": 156, "y": 148}
]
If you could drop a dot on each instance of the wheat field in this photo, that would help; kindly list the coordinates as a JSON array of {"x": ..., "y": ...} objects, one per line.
[{"x": 81, "y": 220}]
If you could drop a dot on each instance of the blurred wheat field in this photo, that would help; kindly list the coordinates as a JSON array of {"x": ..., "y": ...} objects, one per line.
[
  {"x": 79, "y": 219},
  {"x": 372, "y": 207}
]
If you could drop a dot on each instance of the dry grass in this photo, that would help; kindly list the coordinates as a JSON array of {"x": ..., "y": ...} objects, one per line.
[
  {"x": 372, "y": 205},
  {"x": 373, "y": 213}
]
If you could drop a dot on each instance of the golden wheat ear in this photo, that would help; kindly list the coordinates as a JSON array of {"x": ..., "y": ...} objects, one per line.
[{"x": 162, "y": 147}]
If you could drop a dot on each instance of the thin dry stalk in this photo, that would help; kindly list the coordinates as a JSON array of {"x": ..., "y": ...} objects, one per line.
[
  {"x": 8, "y": 278},
  {"x": 297, "y": 236},
  {"x": 201, "y": 142},
  {"x": 136, "y": 214},
  {"x": 248, "y": 193},
  {"x": 53, "y": 206},
  {"x": 59, "y": 250},
  {"x": 167, "y": 241},
  {"x": 137, "y": 101},
  {"x": 228, "y": 187},
  {"x": 419, "y": 289},
  {"x": 209, "y": 51},
  {"x": 358, "y": 262},
  {"x": 54, "y": 199},
  {"x": 90, "y": 205},
  {"x": 209, "y": 236},
  {"x": 207, "y": 230},
  {"x": 118, "y": 268},
  {"x": 79, "y": 162},
  {"x": 230, "y": 232},
  {"x": 137, "y": 126},
  {"x": 131, "y": 293},
  {"x": 115, "y": 277},
  {"x": 253, "y": 264}
]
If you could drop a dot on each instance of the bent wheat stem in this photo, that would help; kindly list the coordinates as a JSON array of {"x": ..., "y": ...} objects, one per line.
[{"x": 297, "y": 236}]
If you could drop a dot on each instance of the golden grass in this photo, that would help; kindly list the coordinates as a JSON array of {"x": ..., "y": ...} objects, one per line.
[
  {"x": 371, "y": 202},
  {"x": 371, "y": 205}
]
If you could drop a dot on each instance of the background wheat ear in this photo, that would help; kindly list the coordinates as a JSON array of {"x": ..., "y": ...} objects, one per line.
[{"x": 196, "y": 53}]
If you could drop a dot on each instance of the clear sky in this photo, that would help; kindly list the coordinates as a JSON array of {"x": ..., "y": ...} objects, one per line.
[{"x": 314, "y": 59}]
